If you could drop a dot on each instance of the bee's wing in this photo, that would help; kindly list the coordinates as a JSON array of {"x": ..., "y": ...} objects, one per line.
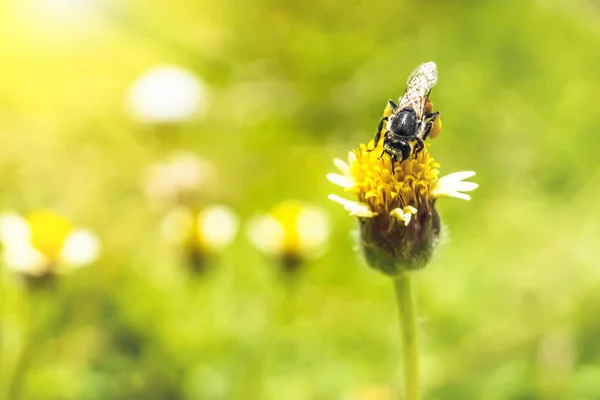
[
  {"x": 418, "y": 86},
  {"x": 424, "y": 75}
]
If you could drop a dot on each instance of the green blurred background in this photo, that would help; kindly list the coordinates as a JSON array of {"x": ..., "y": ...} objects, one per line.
[{"x": 511, "y": 306}]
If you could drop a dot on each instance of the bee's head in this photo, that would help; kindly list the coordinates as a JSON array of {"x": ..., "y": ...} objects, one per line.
[{"x": 404, "y": 123}]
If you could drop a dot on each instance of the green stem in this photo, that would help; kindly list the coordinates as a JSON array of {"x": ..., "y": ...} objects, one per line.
[
  {"x": 410, "y": 345},
  {"x": 20, "y": 371}
]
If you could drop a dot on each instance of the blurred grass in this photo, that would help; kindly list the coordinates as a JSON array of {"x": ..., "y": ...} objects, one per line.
[{"x": 293, "y": 85}]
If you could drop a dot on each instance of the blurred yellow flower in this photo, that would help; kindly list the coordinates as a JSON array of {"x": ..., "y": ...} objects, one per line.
[
  {"x": 45, "y": 242},
  {"x": 292, "y": 232},
  {"x": 399, "y": 224},
  {"x": 166, "y": 94},
  {"x": 201, "y": 233},
  {"x": 179, "y": 180}
]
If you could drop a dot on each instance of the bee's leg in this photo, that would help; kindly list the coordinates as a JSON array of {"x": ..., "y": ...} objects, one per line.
[
  {"x": 430, "y": 118},
  {"x": 386, "y": 138},
  {"x": 420, "y": 144},
  {"x": 427, "y": 130},
  {"x": 389, "y": 110},
  {"x": 378, "y": 134}
]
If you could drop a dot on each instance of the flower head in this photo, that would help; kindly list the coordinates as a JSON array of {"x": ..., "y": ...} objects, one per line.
[
  {"x": 179, "y": 180},
  {"x": 398, "y": 222},
  {"x": 45, "y": 243},
  {"x": 201, "y": 234},
  {"x": 166, "y": 95},
  {"x": 292, "y": 232}
]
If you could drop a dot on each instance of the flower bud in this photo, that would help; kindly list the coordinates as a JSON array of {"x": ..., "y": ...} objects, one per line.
[{"x": 394, "y": 248}]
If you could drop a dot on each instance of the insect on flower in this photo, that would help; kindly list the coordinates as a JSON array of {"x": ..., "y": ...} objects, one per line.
[{"x": 412, "y": 121}]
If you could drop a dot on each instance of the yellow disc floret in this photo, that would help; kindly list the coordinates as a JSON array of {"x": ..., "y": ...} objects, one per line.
[
  {"x": 411, "y": 184},
  {"x": 48, "y": 232}
]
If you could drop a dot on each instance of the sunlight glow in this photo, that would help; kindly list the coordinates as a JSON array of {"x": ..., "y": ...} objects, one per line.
[{"x": 65, "y": 9}]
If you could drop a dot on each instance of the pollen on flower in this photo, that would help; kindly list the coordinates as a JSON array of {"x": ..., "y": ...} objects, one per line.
[
  {"x": 404, "y": 214},
  {"x": 369, "y": 175}
]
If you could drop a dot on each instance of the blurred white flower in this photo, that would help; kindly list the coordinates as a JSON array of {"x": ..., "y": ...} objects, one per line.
[
  {"x": 166, "y": 94},
  {"x": 267, "y": 234},
  {"x": 81, "y": 247},
  {"x": 44, "y": 243},
  {"x": 209, "y": 231},
  {"x": 217, "y": 226},
  {"x": 179, "y": 179},
  {"x": 292, "y": 232}
]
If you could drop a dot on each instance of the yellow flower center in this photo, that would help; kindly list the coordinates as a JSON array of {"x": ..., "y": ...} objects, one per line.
[
  {"x": 287, "y": 214},
  {"x": 48, "y": 232},
  {"x": 411, "y": 184}
]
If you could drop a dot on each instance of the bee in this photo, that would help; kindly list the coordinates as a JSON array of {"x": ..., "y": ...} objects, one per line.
[{"x": 412, "y": 120}]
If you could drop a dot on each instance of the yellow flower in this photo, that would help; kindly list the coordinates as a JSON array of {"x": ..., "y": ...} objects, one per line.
[
  {"x": 45, "y": 242},
  {"x": 201, "y": 234},
  {"x": 398, "y": 221},
  {"x": 292, "y": 232}
]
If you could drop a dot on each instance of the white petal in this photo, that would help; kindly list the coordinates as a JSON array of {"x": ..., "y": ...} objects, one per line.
[
  {"x": 460, "y": 176},
  {"x": 453, "y": 185},
  {"x": 351, "y": 158},
  {"x": 459, "y": 195},
  {"x": 353, "y": 207},
  {"x": 341, "y": 166},
  {"x": 217, "y": 225},
  {"x": 266, "y": 233},
  {"x": 405, "y": 214},
  {"x": 466, "y": 186},
  {"x": 14, "y": 230},
  {"x": 312, "y": 226},
  {"x": 81, "y": 247},
  {"x": 24, "y": 258},
  {"x": 341, "y": 180},
  {"x": 177, "y": 224},
  {"x": 18, "y": 252}
]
